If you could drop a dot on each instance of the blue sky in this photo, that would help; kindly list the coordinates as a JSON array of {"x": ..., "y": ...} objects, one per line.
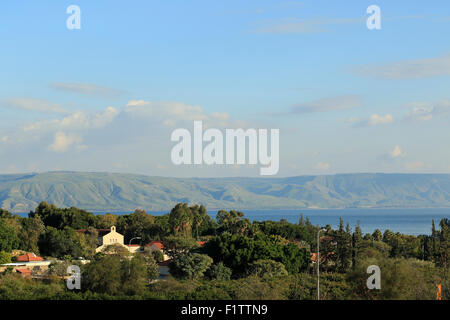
[{"x": 107, "y": 96}]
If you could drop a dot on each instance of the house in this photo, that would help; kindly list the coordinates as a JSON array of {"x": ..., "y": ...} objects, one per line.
[
  {"x": 110, "y": 236},
  {"x": 157, "y": 246},
  {"x": 29, "y": 257},
  {"x": 25, "y": 262}
]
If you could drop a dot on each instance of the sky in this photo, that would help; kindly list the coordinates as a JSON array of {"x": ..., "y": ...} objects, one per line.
[{"x": 107, "y": 96}]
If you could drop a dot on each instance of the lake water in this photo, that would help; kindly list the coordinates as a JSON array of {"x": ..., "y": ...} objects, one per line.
[{"x": 407, "y": 221}]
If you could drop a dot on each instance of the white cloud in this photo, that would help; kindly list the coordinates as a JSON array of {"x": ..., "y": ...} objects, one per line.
[
  {"x": 220, "y": 115},
  {"x": 353, "y": 120},
  {"x": 100, "y": 120},
  {"x": 165, "y": 109},
  {"x": 374, "y": 120},
  {"x": 414, "y": 166},
  {"x": 86, "y": 88},
  {"x": 63, "y": 141},
  {"x": 377, "y": 120},
  {"x": 33, "y": 105},
  {"x": 327, "y": 105},
  {"x": 177, "y": 113},
  {"x": 409, "y": 69},
  {"x": 323, "y": 166},
  {"x": 289, "y": 25},
  {"x": 423, "y": 111},
  {"x": 397, "y": 152},
  {"x": 12, "y": 169},
  {"x": 76, "y": 121}
]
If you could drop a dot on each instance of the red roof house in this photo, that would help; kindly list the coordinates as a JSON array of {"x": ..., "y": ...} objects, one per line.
[
  {"x": 29, "y": 257},
  {"x": 156, "y": 244}
]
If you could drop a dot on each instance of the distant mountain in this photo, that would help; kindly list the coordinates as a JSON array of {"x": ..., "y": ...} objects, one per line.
[{"x": 125, "y": 192}]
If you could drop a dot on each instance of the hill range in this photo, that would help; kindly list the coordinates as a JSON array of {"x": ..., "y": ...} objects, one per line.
[{"x": 117, "y": 192}]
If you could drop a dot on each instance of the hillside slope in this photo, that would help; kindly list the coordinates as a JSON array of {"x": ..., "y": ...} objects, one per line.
[{"x": 124, "y": 192}]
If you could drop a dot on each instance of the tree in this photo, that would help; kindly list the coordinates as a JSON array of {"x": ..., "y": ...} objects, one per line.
[
  {"x": 117, "y": 250},
  {"x": 157, "y": 255},
  {"x": 8, "y": 237},
  {"x": 106, "y": 221},
  {"x": 176, "y": 244},
  {"x": 267, "y": 269},
  {"x": 444, "y": 244},
  {"x": 401, "y": 279},
  {"x": 66, "y": 217},
  {"x": 5, "y": 213},
  {"x": 238, "y": 252},
  {"x": 135, "y": 275},
  {"x": 434, "y": 241},
  {"x": 357, "y": 240},
  {"x": 90, "y": 242},
  {"x": 376, "y": 235},
  {"x": 232, "y": 221},
  {"x": 344, "y": 248},
  {"x": 219, "y": 271},
  {"x": 59, "y": 268},
  {"x": 103, "y": 275},
  {"x": 32, "y": 229},
  {"x": 151, "y": 264},
  {"x": 294, "y": 259},
  {"x": 181, "y": 219},
  {"x": 200, "y": 218},
  {"x": 5, "y": 257},
  {"x": 139, "y": 223},
  {"x": 190, "y": 265},
  {"x": 59, "y": 243}
]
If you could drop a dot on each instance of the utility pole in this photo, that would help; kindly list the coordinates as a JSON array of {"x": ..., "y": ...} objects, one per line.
[
  {"x": 129, "y": 254},
  {"x": 318, "y": 262}
]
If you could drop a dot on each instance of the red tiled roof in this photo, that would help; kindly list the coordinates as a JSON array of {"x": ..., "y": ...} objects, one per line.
[
  {"x": 201, "y": 243},
  {"x": 158, "y": 244},
  {"x": 29, "y": 257}
]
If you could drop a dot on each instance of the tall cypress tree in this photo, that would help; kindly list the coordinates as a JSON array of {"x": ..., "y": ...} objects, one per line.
[
  {"x": 444, "y": 244},
  {"x": 434, "y": 241},
  {"x": 344, "y": 249},
  {"x": 356, "y": 243}
]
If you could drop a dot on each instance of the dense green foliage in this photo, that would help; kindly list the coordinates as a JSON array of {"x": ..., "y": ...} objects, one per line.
[
  {"x": 190, "y": 265},
  {"x": 239, "y": 251},
  {"x": 236, "y": 258},
  {"x": 8, "y": 237}
]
